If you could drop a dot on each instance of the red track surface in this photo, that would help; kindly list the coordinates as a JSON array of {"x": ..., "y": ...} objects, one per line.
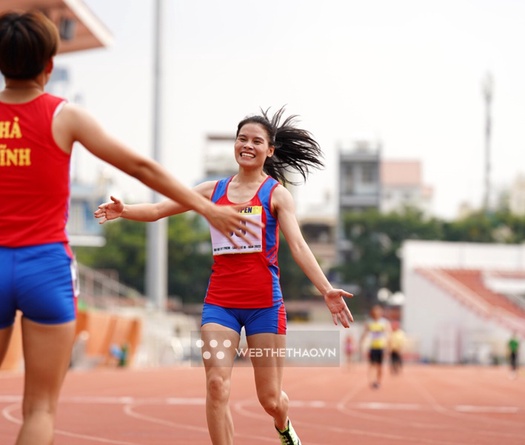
[{"x": 425, "y": 405}]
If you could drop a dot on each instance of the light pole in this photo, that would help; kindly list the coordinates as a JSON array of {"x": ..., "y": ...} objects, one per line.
[
  {"x": 157, "y": 247},
  {"x": 488, "y": 91}
]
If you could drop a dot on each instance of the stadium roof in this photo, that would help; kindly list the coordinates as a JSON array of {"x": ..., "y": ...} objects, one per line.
[{"x": 79, "y": 28}]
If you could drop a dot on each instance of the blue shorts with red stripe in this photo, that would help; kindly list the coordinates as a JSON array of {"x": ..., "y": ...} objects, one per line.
[
  {"x": 40, "y": 281},
  {"x": 270, "y": 320}
]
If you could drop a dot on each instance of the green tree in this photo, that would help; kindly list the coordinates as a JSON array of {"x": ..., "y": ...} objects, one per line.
[
  {"x": 373, "y": 261},
  {"x": 189, "y": 257},
  {"x": 124, "y": 252},
  {"x": 481, "y": 227}
]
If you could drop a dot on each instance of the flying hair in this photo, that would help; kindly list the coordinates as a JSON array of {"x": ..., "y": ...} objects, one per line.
[{"x": 296, "y": 150}]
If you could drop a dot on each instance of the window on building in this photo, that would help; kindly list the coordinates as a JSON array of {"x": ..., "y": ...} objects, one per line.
[
  {"x": 347, "y": 185},
  {"x": 369, "y": 172}
]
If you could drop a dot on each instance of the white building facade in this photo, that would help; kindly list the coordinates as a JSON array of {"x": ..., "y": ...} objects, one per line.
[{"x": 450, "y": 320}]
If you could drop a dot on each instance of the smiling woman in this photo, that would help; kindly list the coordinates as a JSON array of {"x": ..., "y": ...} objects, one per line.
[{"x": 265, "y": 150}]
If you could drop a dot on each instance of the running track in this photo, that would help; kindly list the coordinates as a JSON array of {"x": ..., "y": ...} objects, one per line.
[{"x": 425, "y": 405}]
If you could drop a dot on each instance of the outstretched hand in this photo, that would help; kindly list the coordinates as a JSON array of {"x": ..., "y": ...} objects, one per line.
[
  {"x": 334, "y": 299},
  {"x": 109, "y": 210},
  {"x": 233, "y": 225},
  {"x": 226, "y": 219}
]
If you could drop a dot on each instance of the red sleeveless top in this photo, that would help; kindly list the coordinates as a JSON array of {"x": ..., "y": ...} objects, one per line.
[
  {"x": 34, "y": 175},
  {"x": 247, "y": 280}
]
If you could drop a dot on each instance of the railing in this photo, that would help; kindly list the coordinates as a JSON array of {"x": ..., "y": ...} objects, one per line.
[{"x": 103, "y": 290}]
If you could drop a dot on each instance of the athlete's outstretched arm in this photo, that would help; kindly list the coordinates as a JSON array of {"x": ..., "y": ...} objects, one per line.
[
  {"x": 303, "y": 256},
  {"x": 74, "y": 124},
  {"x": 147, "y": 212}
]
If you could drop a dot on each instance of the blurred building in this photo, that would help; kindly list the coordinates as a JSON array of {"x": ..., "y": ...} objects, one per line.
[
  {"x": 320, "y": 234},
  {"x": 359, "y": 187},
  {"x": 463, "y": 301},
  {"x": 402, "y": 186},
  {"x": 366, "y": 181},
  {"x": 360, "y": 176}
]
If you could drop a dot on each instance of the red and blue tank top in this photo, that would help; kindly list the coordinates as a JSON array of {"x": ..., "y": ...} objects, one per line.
[{"x": 247, "y": 276}]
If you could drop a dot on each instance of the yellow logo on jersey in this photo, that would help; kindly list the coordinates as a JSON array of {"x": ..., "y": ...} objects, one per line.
[
  {"x": 252, "y": 210},
  {"x": 10, "y": 130},
  {"x": 18, "y": 157}
]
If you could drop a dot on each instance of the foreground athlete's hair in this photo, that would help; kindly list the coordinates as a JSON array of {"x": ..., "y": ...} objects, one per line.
[{"x": 27, "y": 42}]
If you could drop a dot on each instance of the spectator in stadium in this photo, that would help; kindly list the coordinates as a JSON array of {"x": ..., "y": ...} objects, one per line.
[
  {"x": 397, "y": 345},
  {"x": 513, "y": 354}
]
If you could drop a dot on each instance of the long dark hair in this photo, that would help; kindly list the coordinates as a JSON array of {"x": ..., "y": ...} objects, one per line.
[{"x": 295, "y": 149}]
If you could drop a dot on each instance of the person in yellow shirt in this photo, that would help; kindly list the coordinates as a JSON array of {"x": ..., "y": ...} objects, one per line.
[
  {"x": 397, "y": 344},
  {"x": 377, "y": 330}
]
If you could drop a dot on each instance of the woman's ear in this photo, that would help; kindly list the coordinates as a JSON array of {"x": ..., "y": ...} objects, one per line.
[{"x": 271, "y": 150}]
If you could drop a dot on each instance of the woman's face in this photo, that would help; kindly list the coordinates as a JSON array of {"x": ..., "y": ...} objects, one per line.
[{"x": 252, "y": 146}]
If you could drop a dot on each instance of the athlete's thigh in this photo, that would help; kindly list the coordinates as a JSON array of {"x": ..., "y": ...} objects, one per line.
[
  {"x": 47, "y": 354},
  {"x": 5, "y": 337},
  {"x": 219, "y": 346},
  {"x": 267, "y": 352}
]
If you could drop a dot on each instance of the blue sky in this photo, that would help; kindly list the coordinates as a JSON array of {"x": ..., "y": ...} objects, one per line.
[{"x": 407, "y": 73}]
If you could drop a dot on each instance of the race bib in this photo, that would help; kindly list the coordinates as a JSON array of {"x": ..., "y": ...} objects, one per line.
[{"x": 221, "y": 244}]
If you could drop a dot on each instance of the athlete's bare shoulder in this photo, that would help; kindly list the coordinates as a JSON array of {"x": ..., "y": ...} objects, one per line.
[
  {"x": 206, "y": 188},
  {"x": 282, "y": 199}
]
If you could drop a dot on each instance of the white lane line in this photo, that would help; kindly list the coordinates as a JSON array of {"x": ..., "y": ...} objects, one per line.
[
  {"x": 486, "y": 409},
  {"x": 388, "y": 406},
  {"x": 124, "y": 400},
  {"x": 6, "y": 412}
]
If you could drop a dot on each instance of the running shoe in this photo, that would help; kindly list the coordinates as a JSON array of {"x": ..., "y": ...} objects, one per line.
[{"x": 289, "y": 436}]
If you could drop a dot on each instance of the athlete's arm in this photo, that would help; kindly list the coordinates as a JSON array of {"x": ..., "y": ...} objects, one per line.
[
  {"x": 284, "y": 207},
  {"x": 147, "y": 212},
  {"x": 74, "y": 124}
]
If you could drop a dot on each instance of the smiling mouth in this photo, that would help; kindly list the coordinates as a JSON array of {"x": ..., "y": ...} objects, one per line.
[{"x": 247, "y": 155}]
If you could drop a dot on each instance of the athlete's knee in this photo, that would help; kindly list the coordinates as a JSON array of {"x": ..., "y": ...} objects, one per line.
[
  {"x": 272, "y": 401},
  {"x": 218, "y": 388},
  {"x": 43, "y": 407}
]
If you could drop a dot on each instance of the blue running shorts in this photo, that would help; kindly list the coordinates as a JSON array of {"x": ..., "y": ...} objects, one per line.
[
  {"x": 40, "y": 281},
  {"x": 271, "y": 320}
]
